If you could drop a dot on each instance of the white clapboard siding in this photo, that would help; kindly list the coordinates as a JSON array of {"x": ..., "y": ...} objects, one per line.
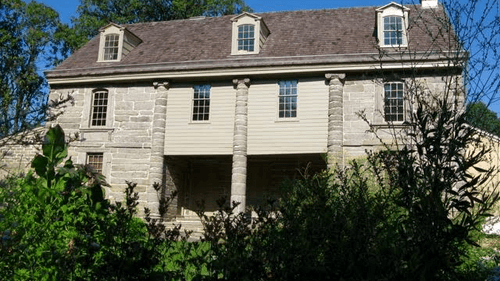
[
  {"x": 308, "y": 133},
  {"x": 213, "y": 137}
]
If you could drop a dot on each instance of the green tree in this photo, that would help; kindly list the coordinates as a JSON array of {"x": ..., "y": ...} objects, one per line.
[
  {"x": 94, "y": 14},
  {"x": 27, "y": 40},
  {"x": 480, "y": 116}
]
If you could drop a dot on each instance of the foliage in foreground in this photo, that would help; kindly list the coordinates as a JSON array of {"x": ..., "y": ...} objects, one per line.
[
  {"x": 405, "y": 213},
  {"x": 56, "y": 225}
]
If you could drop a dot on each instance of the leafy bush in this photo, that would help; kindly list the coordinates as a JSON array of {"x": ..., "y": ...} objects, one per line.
[{"x": 57, "y": 225}]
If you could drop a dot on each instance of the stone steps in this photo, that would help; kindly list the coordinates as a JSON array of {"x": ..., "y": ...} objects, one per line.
[{"x": 192, "y": 224}]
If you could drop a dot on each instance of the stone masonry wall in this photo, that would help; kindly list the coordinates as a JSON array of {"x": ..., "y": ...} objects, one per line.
[
  {"x": 17, "y": 151},
  {"x": 364, "y": 95},
  {"x": 126, "y": 139}
]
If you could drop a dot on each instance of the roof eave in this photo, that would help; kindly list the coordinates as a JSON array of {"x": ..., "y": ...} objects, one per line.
[{"x": 208, "y": 68}]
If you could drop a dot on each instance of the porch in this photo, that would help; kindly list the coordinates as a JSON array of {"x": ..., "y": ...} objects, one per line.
[{"x": 201, "y": 180}]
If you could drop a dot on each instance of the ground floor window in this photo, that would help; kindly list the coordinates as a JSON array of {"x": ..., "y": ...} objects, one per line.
[{"x": 95, "y": 160}]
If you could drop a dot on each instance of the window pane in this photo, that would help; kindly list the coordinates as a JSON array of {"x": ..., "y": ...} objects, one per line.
[
  {"x": 393, "y": 31},
  {"x": 287, "y": 99},
  {"x": 246, "y": 37},
  {"x": 201, "y": 102},
  {"x": 111, "y": 47},
  {"x": 95, "y": 160},
  {"x": 99, "y": 108},
  {"x": 393, "y": 101}
]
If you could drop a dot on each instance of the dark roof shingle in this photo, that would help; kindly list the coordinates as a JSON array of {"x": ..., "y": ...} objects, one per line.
[{"x": 293, "y": 34}]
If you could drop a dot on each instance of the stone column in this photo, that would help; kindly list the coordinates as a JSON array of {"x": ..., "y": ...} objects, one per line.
[
  {"x": 335, "y": 119},
  {"x": 239, "y": 171},
  {"x": 157, "y": 148}
]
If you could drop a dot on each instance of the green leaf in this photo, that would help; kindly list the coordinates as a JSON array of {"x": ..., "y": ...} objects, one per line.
[
  {"x": 54, "y": 145},
  {"x": 40, "y": 163}
]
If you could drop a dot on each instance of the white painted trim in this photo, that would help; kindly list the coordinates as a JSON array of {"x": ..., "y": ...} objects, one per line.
[{"x": 245, "y": 19}]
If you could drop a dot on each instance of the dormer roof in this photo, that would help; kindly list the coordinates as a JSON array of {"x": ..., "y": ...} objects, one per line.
[
  {"x": 111, "y": 24},
  {"x": 392, "y": 4},
  {"x": 246, "y": 14}
]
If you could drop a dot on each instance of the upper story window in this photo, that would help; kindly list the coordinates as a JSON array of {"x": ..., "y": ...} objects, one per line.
[
  {"x": 394, "y": 110},
  {"x": 392, "y": 24},
  {"x": 393, "y": 31},
  {"x": 201, "y": 103},
  {"x": 249, "y": 34},
  {"x": 99, "y": 108},
  {"x": 116, "y": 42},
  {"x": 246, "y": 37},
  {"x": 287, "y": 99},
  {"x": 111, "y": 47}
]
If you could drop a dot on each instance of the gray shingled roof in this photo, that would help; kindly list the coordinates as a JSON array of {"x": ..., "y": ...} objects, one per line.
[{"x": 295, "y": 37}]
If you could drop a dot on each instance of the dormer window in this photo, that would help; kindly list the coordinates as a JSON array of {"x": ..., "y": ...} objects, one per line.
[
  {"x": 249, "y": 34},
  {"x": 246, "y": 37},
  {"x": 111, "y": 47},
  {"x": 115, "y": 43},
  {"x": 393, "y": 31},
  {"x": 392, "y": 23}
]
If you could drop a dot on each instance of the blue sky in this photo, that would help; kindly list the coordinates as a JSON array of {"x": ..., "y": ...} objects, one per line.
[{"x": 67, "y": 8}]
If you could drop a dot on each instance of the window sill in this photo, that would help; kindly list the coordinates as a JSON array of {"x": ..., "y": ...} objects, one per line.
[
  {"x": 117, "y": 60},
  {"x": 287, "y": 119},
  {"x": 245, "y": 53},
  {"x": 200, "y": 122},
  {"x": 394, "y": 46},
  {"x": 399, "y": 124},
  {"x": 97, "y": 129}
]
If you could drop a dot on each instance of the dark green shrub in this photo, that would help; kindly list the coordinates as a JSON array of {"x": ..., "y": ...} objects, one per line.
[
  {"x": 408, "y": 212},
  {"x": 57, "y": 225}
]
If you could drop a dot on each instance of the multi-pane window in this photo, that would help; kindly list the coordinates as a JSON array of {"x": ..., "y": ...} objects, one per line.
[
  {"x": 95, "y": 160},
  {"x": 201, "y": 102},
  {"x": 111, "y": 47},
  {"x": 99, "y": 108},
  {"x": 287, "y": 99},
  {"x": 246, "y": 37},
  {"x": 394, "y": 101},
  {"x": 393, "y": 31}
]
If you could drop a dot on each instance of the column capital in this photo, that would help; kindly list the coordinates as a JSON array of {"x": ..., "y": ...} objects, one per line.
[
  {"x": 332, "y": 76},
  {"x": 165, "y": 85},
  {"x": 238, "y": 81}
]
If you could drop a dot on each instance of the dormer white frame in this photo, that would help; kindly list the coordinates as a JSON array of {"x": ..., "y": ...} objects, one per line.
[
  {"x": 260, "y": 32},
  {"x": 125, "y": 36},
  {"x": 392, "y": 10}
]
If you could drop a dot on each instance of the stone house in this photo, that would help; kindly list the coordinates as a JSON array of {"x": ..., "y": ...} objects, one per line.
[{"x": 233, "y": 105}]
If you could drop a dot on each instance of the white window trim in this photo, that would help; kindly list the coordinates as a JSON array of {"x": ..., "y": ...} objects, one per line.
[
  {"x": 86, "y": 123},
  {"x": 108, "y": 30},
  {"x": 259, "y": 29},
  {"x": 392, "y": 10}
]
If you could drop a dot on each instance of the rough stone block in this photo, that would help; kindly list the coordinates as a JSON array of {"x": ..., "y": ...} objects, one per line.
[
  {"x": 124, "y": 105},
  {"x": 141, "y": 119},
  {"x": 144, "y": 105}
]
